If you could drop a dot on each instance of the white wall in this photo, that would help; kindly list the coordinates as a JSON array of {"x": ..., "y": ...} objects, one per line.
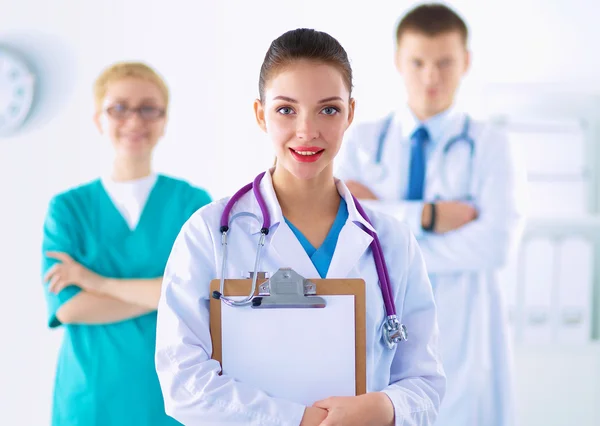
[{"x": 210, "y": 54}]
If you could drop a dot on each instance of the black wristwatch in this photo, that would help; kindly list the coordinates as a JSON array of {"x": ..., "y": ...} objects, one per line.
[{"x": 431, "y": 224}]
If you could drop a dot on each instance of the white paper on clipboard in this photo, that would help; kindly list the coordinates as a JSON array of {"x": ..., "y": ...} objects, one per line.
[{"x": 301, "y": 355}]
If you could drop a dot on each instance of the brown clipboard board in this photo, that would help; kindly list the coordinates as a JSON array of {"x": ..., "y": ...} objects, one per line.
[{"x": 325, "y": 287}]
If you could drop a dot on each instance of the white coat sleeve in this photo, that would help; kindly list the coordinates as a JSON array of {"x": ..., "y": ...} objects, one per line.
[
  {"x": 349, "y": 167},
  {"x": 501, "y": 199},
  {"x": 417, "y": 379},
  {"x": 409, "y": 212},
  {"x": 194, "y": 392}
]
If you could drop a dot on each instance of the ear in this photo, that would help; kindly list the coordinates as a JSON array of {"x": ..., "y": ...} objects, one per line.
[
  {"x": 259, "y": 113},
  {"x": 165, "y": 121},
  {"x": 467, "y": 61},
  {"x": 397, "y": 62},
  {"x": 351, "y": 111},
  {"x": 98, "y": 123}
]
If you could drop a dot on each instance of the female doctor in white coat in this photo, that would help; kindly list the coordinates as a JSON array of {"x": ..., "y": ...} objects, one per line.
[{"x": 315, "y": 228}]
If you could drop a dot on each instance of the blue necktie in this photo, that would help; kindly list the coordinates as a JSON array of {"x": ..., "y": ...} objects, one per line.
[{"x": 416, "y": 180}]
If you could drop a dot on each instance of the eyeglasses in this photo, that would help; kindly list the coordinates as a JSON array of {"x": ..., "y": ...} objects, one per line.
[{"x": 145, "y": 112}]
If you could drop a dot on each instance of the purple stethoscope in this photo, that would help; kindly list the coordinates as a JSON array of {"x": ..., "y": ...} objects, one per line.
[{"x": 393, "y": 331}]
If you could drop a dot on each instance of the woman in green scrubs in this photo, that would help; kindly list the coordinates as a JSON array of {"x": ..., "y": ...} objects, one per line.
[{"x": 105, "y": 247}]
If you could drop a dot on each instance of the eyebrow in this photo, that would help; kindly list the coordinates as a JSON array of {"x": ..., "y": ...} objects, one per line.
[
  {"x": 144, "y": 100},
  {"x": 294, "y": 101}
]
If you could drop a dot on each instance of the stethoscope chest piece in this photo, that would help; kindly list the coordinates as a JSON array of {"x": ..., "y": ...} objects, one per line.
[{"x": 393, "y": 332}]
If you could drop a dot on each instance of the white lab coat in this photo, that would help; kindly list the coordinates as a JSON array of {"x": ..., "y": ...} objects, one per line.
[
  {"x": 463, "y": 264},
  {"x": 194, "y": 393}
]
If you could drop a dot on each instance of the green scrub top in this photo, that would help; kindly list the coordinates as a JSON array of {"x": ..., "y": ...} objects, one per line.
[{"x": 105, "y": 374}]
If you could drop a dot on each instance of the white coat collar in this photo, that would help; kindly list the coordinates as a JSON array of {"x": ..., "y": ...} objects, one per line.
[
  {"x": 438, "y": 126},
  {"x": 248, "y": 203}
]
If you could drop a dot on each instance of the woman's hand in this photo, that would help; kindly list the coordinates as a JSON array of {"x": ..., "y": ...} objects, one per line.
[
  {"x": 69, "y": 272},
  {"x": 313, "y": 416},
  {"x": 369, "y": 409}
]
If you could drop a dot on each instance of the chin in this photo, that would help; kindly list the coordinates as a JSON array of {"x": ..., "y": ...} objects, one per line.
[{"x": 305, "y": 171}]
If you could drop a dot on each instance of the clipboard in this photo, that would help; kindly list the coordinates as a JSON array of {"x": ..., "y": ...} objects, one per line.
[{"x": 270, "y": 298}]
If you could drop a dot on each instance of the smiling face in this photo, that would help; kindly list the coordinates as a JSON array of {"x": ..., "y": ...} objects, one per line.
[
  {"x": 305, "y": 110},
  {"x": 132, "y": 117}
]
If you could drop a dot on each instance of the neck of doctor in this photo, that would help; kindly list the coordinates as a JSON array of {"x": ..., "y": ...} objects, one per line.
[
  {"x": 424, "y": 114},
  {"x": 315, "y": 198},
  {"x": 125, "y": 169}
]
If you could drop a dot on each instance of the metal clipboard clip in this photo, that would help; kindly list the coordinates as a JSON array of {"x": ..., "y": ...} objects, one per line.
[{"x": 287, "y": 289}]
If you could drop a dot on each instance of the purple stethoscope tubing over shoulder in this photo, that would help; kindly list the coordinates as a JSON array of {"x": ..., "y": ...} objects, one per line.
[{"x": 393, "y": 331}]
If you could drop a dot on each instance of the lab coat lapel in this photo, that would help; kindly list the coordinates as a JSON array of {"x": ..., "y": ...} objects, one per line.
[
  {"x": 442, "y": 170},
  {"x": 353, "y": 240},
  {"x": 452, "y": 128},
  {"x": 351, "y": 245},
  {"x": 282, "y": 241},
  {"x": 290, "y": 252}
]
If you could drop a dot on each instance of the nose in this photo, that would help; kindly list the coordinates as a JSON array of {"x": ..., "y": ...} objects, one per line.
[
  {"x": 306, "y": 128},
  {"x": 134, "y": 121},
  {"x": 431, "y": 75}
]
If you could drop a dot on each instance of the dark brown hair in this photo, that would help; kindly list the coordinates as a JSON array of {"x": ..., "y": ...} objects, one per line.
[
  {"x": 304, "y": 43},
  {"x": 432, "y": 19}
]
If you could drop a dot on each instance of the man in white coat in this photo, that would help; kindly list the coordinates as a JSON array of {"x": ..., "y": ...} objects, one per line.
[{"x": 459, "y": 185}]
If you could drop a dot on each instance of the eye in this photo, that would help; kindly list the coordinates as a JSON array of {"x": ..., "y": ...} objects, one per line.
[
  {"x": 330, "y": 110},
  {"x": 417, "y": 63},
  {"x": 150, "y": 112},
  {"x": 445, "y": 63},
  {"x": 285, "y": 111},
  {"x": 119, "y": 107},
  {"x": 118, "y": 111}
]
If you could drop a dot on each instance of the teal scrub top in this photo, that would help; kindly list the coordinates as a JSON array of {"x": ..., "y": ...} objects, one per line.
[
  {"x": 106, "y": 374},
  {"x": 322, "y": 256}
]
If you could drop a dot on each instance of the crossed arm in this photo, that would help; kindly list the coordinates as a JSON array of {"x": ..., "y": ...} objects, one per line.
[{"x": 102, "y": 299}]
